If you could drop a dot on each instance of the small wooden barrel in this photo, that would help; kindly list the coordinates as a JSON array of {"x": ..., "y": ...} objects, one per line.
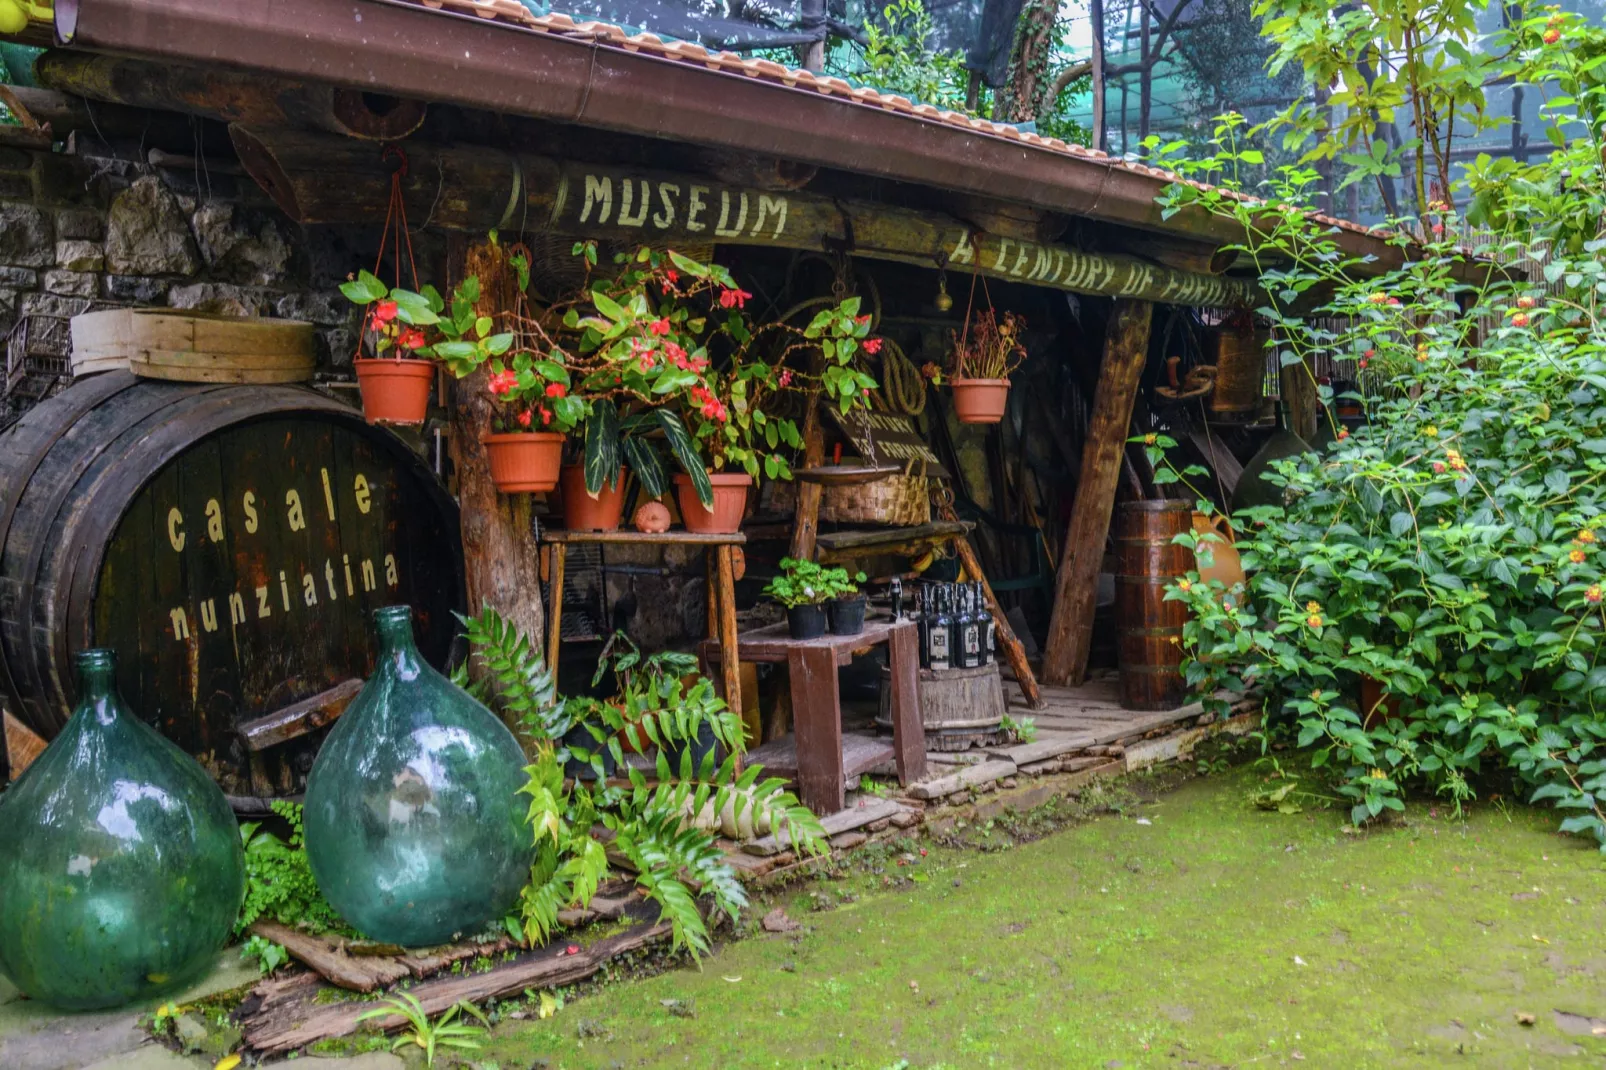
[
  {"x": 1240, "y": 374},
  {"x": 1148, "y": 628},
  {"x": 957, "y": 706}
]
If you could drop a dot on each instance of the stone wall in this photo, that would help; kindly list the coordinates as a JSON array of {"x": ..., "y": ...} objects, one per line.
[{"x": 80, "y": 231}]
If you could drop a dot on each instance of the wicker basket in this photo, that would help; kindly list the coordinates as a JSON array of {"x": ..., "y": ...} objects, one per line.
[{"x": 899, "y": 501}]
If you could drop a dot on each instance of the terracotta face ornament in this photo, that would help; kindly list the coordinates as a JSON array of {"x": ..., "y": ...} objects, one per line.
[{"x": 652, "y": 518}]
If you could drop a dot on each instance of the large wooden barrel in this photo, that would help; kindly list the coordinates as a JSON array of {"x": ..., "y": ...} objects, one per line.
[
  {"x": 1148, "y": 628},
  {"x": 230, "y": 543}
]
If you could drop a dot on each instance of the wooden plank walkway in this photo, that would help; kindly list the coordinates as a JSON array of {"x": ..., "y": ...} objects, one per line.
[{"x": 1076, "y": 717}]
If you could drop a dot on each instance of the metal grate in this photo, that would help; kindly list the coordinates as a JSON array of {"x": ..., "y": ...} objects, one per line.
[{"x": 584, "y": 594}]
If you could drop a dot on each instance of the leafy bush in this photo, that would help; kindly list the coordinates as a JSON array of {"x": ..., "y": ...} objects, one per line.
[
  {"x": 279, "y": 884},
  {"x": 808, "y": 583},
  {"x": 658, "y": 828},
  {"x": 1448, "y": 549}
]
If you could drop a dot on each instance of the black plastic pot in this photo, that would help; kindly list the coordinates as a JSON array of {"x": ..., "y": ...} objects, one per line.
[
  {"x": 704, "y": 745},
  {"x": 806, "y": 622},
  {"x": 847, "y": 614},
  {"x": 579, "y": 769}
]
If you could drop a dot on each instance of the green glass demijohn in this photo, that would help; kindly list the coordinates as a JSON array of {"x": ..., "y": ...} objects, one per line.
[
  {"x": 414, "y": 828},
  {"x": 121, "y": 870}
]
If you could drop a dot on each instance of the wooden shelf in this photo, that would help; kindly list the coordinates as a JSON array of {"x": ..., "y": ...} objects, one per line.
[{"x": 684, "y": 538}]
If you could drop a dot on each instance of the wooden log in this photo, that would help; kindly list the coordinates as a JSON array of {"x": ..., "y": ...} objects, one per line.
[
  {"x": 294, "y": 1023},
  {"x": 554, "y": 644},
  {"x": 230, "y": 95},
  {"x": 908, "y": 727},
  {"x": 730, "y": 666},
  {"x": 806, "y": 520},
  {"x": 360, "y": 973},
  {"x": 1008, "y": 641},
  {"x": 1070, "y": 630},
  {"x": 319, "y": 179},
  {"x": 299, "y": 718}
]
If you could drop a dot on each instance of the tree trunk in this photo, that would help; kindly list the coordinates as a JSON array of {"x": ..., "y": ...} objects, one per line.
[
  {"x": 500, "y": 563},
  {"x": 1146, "y": 85},
  {"x": 1028, "y": 65},
  {"x": 1101, "y": 136}
]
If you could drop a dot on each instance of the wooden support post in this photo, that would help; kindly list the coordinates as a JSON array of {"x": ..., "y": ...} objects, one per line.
[
  {"x": 1298, "y": 385},
  {"x": 1008, "y": 641},
  {"x": 807, "y": 520},
  {"x": 1070, "y": 630},
  {"x": 730, "y": 664},
  {"x": 908, "y": 730},
  {"x": 817, "y": 725},
  {"x": 555, "y": 591}
]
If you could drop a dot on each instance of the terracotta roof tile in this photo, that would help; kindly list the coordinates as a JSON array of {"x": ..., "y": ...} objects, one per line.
[{"x": 512, "y": 12}]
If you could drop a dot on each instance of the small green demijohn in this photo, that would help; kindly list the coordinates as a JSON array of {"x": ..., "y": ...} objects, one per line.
[
  {"x": 414, "y": 828},
  {"x": 121, "y": 871}
]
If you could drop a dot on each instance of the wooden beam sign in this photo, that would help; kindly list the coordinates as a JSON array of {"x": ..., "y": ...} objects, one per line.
[
  {"x": 320, "y": 179},
  {"x": 889, "y": 436}
]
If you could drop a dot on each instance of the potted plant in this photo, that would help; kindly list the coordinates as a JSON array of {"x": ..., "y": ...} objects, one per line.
[
  {"x": 406, "y": 333},
  {"x": 534, "y": 409},
  {"x": 395, "y": 379},
  {"x": 983, "y": 359},
  {"x": 802, "y": 588},
  {"x": 845, "y": 610},
  {"x": 670, "y": 364}
]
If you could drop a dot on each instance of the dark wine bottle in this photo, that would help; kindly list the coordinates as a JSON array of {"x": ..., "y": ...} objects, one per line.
[
  {"x": 939, "y": 649},
  {"x": 989, "y": 628}
]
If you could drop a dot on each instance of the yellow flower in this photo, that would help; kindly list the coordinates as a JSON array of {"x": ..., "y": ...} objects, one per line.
[
  {"x": 1175, "y": 640},
  {"x": 1431, "y": 431},
  {"x": 1314, "y": 620},
  {"x": 1593, "y": 595},
  {"x": 1316, "y": 695},
  {"x": 1586, "y": 536},
  {"x": 1576, "y": 557},
  {"x": 1313, "y": 607},
  {"x": 1184, "y": 585},
  {"x": 1378, "y": 774},
  {"x": 1150, "y": 439}
]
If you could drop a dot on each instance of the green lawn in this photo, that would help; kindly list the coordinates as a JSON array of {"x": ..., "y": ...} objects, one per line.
[{"x": 1214, "y": 934}]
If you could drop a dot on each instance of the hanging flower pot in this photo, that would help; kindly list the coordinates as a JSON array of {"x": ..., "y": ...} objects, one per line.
[
  {"x": 524, "y": 461},
  {"x": 582, "y": 512},
  {"x": 980, "y": 401},
  {"x": 395, "y": 391},
  {"x": 730, "y": 502}
]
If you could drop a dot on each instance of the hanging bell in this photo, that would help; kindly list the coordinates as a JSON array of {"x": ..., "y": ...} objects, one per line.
[
  {"x": 120, "y": 862},
  {"x": 415, "y": 832},
  {"x": 943, "y": 301}
]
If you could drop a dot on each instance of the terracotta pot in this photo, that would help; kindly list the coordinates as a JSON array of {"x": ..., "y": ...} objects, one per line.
[
  {"x": 582, "y": 512},
  {"x": 1225, "y": 565},
  {"x": 395, "y": 391},
  {"x": 730, "y": 502},
  {"x": 980, "y": 401},
  {"x": 524, "y": 461},
  {"x": 1377, "y": 705}
]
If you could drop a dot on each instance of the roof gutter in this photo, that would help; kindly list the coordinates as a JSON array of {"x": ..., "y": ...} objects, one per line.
[{"x": 403, "y": 49}]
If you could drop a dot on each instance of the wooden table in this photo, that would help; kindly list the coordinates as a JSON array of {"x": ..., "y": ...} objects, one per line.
[
  {"x": 721, "y": 589},
  {"x": 816, "y": 700}
]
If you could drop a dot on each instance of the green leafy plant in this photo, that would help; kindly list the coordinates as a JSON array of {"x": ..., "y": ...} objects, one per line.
[
  {"x": 1443, "y": 556},
  {"x": 900, "y": 57},
  {"x": 1023, "y": 730},
  {"x": 662, "y": 829},
  {"x": 401, "y": 323},
  {"x": 446, "y": 1031},
  {"x": 808, "y": 583},
  {"x": 278, "y": 878},
  {"x": 269, "y": 956}
]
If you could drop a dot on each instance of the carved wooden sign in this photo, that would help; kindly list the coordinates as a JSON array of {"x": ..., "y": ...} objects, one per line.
[
  {"x": 888, "y": 437},
  {"x": 243, "y": 577},
  {"x": 592, "y": 200}
]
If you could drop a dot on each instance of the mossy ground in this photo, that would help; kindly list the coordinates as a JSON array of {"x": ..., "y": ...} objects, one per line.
[{"x": 1190, "y": 929}]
